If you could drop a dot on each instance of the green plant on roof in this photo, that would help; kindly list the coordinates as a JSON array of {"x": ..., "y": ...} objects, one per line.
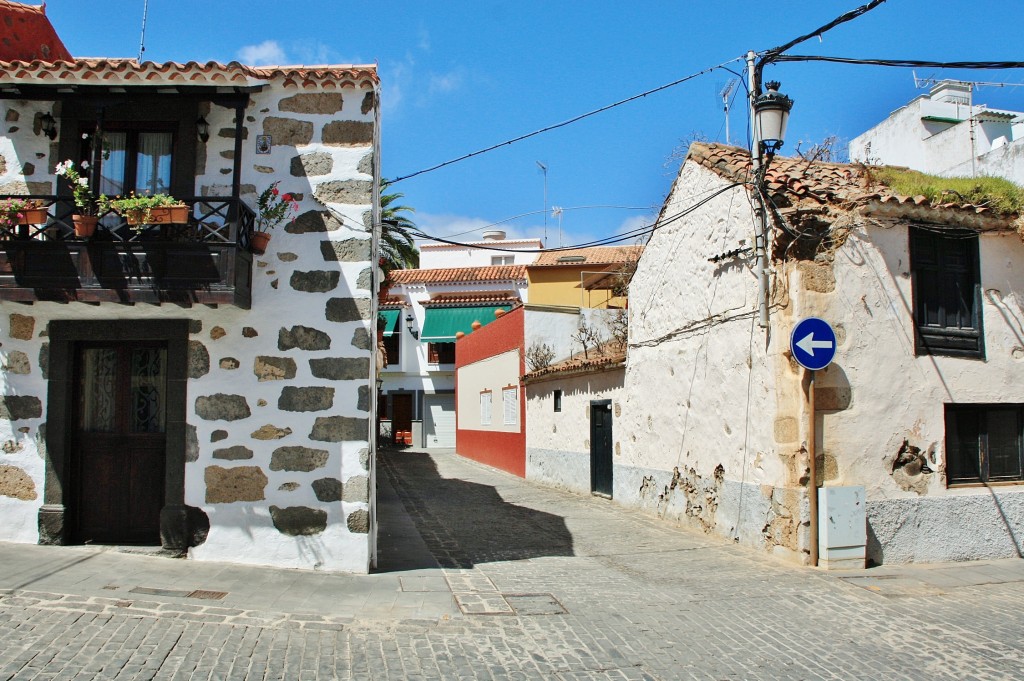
[{"x": 995, "y": 193}]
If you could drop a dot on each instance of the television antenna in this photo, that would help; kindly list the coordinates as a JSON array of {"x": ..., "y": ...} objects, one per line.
[
  {"x": 544, "y": 169},
  {"x": 724, "y": 94},
  {"x": 142, "y": 38}
]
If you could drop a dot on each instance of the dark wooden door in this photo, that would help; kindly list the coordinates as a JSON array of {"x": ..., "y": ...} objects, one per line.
[
  {"x": 401, "y": 412},
  {"x": 120, "y": 442},
  {"x": 601, "y": 447}
]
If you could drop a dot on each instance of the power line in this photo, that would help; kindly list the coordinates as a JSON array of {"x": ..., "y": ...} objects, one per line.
[
  {"x": 575, "y": 119},
  {"x": 625, "y": 236},
  {"x": 905, "y": 63},
  {"x": 773, "y": 54}
]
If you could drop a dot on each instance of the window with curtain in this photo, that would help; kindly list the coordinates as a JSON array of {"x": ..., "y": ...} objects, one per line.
[{"x": 138, "y": 160}]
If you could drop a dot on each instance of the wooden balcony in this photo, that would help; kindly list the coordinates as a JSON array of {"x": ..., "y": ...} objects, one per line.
[{"x": 206, "y": 261}]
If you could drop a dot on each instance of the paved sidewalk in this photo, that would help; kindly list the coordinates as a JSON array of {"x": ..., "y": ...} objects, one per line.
[{"x": 483, "y": 575}]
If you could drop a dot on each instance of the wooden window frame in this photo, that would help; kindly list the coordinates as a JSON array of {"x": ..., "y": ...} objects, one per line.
[
  {"x": 945, "y": 339},
  {"x": 438, "y": 355},
  {"x": 510, "y": 417},
  {"x": 393, "y": 348},
  {"x": 486, "y": 415},
  {"x": 982, "y": 462}
]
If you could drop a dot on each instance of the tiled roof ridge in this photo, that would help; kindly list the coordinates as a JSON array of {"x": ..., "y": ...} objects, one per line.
[
  {"x": 469, "y": 299},
  {"x": 799, "y": 181},
  {"x": 103, "y": 68},
  {"x": 613, "y": 354},
  {"x": 602, "y": 255},
  {"x": 22, "y": 7},
  {"x": 459, "y": 274}
]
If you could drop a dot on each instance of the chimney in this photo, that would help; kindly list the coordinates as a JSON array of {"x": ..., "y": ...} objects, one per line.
[{"x": 494, "y": 235}]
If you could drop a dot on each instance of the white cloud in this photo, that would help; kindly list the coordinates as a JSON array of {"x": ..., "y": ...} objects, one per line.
[
  {"x": 446, "y": 82},
  {"x": 266, "y": 53},
  {"x": 633, "y": 223},
  {"x": 319, "y": 53}
]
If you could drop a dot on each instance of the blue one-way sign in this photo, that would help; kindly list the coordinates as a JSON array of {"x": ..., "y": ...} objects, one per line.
[{"x": 813, "y": 343}]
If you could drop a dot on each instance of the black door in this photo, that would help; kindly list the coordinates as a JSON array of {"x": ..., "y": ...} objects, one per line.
[
  {"x": 120, "y": 442},
  {"x": 601, "y": 447}
]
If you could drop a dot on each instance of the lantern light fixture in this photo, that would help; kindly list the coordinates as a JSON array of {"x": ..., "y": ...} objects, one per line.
[
  {"x": 408, "y": 324},
  {"x": 202, "y": 129},
  {"x": 771, "y": 114},
  {"x": 48, "y": 125}
]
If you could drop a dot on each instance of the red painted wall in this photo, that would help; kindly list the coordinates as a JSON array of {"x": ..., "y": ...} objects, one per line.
[{"x": 506, "y": 451}]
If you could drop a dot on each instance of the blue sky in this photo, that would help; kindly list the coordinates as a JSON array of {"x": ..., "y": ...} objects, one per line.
[{"x": 459, "y": 76}]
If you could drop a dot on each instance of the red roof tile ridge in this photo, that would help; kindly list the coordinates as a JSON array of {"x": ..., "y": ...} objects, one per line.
[
  {"x": 232, "y": 70},
  {"x": 29, "y": 35}
]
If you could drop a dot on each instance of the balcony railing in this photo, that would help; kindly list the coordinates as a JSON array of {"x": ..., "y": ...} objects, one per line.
[{"x": 205, "y": 261}]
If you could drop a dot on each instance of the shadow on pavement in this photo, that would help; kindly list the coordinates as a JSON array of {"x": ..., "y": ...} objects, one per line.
[{"x": 461, "y": 523}]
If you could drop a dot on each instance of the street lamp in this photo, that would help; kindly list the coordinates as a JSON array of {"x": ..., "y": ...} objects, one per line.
[
  {"x": 408, "y": 325},
  {"x": 771, "y": 114}
]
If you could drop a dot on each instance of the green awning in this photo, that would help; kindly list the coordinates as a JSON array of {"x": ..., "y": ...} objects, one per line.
[
  {"x": 442, "y": 323},
  {"x": 391, "y": 318}
]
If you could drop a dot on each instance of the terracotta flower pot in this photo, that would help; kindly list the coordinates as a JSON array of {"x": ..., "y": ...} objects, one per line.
[
  {"x": 161, "y": 215},
  {"x": 259, "y": 242},
  {"x": 85, "y": 225},
  {"x": 33, "y": 216}
]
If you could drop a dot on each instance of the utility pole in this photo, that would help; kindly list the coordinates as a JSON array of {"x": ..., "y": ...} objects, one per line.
[{"x": 760, "y": 217}]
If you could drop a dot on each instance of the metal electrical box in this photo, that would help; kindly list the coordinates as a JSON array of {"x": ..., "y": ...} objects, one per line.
[{"x": 842, "y": 528}]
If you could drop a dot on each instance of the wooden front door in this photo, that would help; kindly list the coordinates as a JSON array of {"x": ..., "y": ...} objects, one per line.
[
  {"x": 601, "y": 448},
  {"x": 120, "y": 442},
  {"x": 401, "y": 412}
]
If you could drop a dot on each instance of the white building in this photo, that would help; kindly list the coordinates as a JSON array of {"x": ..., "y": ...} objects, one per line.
[
  {"x": 457, "y": 285},
  {"x": 923, "y": 406},
  {"x": 164, "y": 384},
  {"x": 945, "y": 132}
]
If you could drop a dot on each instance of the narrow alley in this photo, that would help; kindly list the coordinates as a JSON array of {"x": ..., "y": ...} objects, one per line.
[{"x": 485, "y": 576}]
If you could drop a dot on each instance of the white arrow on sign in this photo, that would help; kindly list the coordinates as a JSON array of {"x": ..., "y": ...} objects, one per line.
[{"x": 809, "y": 345}]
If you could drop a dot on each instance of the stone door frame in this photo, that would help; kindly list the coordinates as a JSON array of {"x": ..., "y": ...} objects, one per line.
[{"x": 60, "y": 410}]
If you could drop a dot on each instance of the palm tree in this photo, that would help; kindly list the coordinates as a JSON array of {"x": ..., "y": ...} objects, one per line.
[{"x": 397, "y": 245}]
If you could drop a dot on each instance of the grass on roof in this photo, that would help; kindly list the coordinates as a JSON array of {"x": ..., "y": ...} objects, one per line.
[{"x": 995, "y": 193}]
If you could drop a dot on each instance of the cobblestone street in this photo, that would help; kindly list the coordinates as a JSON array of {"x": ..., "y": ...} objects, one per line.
[{"x": 485, "y": 576}]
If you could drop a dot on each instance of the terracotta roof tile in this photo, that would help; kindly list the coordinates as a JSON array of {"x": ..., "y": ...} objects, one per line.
[
  {"x": 797, "y": 181},
  {"x": 29, "y": 35},
  {"x": 459, "y": 275},
  {"x": 596, "y": 255},
  {"x": 456, "y": 299},
  {"x": 613, "y": 357},
  {"x": 126, "y": 72}
]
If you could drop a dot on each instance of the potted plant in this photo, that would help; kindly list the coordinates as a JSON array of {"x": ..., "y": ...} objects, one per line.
[
  {"x": 89, "y": 206},
  {"x": 16, "y": 211},
  {"x": 151, "y": 209},
  {"x": 271, "y": 208}
]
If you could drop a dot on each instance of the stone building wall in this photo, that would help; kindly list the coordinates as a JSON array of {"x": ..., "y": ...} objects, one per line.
[
  {"x": 710, "y": 437},
  {"x": 278, "y": 396}
]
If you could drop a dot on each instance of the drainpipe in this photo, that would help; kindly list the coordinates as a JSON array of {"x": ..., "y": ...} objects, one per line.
[{"x": 761, "y": 235}]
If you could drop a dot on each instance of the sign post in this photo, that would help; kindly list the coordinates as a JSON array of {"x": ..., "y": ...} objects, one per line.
[{"x": 813, "y": 344}]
